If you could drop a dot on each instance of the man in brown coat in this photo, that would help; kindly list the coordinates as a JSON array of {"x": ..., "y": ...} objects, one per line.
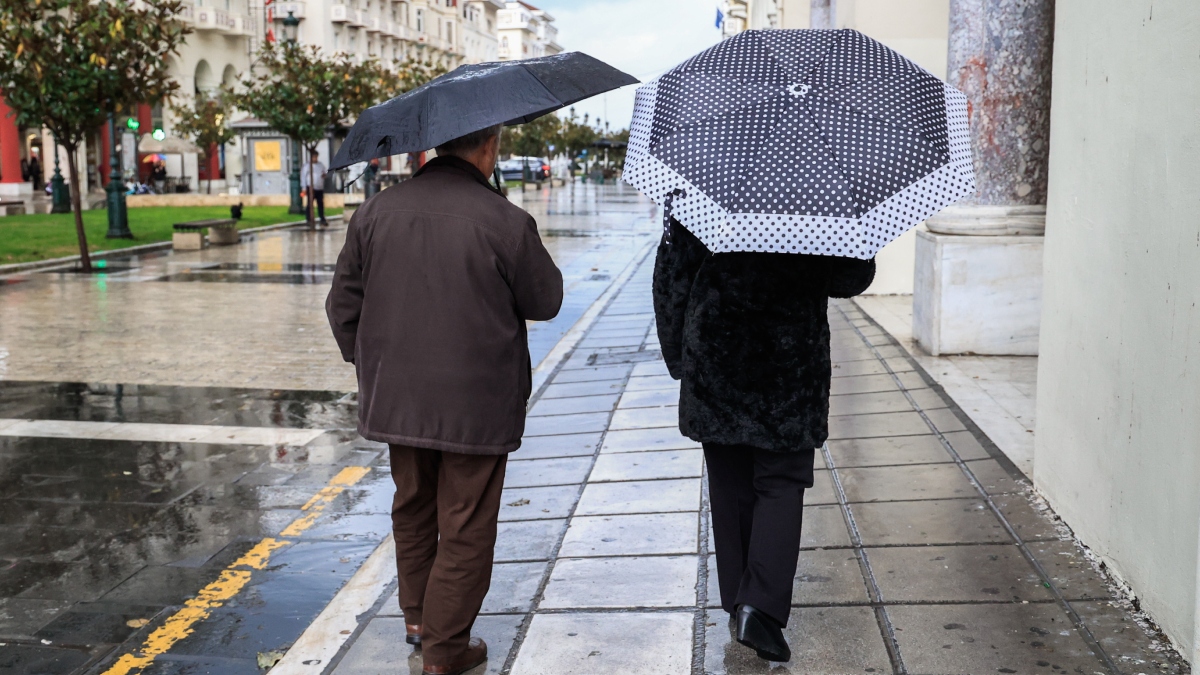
[{"x": 429, "y": 302}]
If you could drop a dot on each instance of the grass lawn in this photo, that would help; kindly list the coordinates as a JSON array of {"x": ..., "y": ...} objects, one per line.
[{"x": 52, "y": 235}]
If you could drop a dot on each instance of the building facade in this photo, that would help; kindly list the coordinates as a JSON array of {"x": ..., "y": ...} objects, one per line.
[{"x": 526, "y": 32}]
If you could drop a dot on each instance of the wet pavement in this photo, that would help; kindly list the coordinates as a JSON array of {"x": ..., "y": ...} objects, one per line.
[
  {"x": 182, "y": 491},
  {"x": 181, "y": 486}
]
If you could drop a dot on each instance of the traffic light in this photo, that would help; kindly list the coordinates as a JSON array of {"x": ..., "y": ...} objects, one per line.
[{"x": 132, "y": 123}]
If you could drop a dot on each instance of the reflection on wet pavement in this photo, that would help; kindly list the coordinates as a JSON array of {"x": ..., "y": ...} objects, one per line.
[{"x": 153, "y": 434}]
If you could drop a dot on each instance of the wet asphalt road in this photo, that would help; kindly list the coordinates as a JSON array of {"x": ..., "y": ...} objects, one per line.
[{"x": 181, "y": 487}]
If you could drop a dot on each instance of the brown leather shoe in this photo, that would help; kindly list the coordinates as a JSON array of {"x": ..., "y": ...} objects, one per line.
[
  {"x": 413, "y": 634},
  {"x": 475, "y": 655}
]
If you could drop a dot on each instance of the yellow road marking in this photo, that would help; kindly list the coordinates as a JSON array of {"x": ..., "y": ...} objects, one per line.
[{"x": 232, "y": 580}]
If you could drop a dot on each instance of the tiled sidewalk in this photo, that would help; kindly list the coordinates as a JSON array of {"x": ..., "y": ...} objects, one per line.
[{"x": 923, "y": 551}]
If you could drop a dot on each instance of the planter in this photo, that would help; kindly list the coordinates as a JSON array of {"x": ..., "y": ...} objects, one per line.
[{"x": 224, "y": 235}]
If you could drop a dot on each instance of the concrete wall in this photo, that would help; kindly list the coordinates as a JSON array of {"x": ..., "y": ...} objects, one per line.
[{"x": 1118, "y": 402}]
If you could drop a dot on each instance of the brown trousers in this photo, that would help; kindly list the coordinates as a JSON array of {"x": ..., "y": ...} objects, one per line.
[{"x": 444, "y": 522}]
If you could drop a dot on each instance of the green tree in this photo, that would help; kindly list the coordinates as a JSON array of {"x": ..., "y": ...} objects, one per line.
[
  {"x": 68, "y": 64},
  {"x": 411, "y": 73},
  {"x": 303, "y": 93},
  {"x": 577, "y": 136},
  {"x": 206, "y": 122}
]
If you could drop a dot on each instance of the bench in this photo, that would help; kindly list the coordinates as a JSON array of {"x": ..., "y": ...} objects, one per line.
[
  {"x": 11, "y": 207},
  {"x": 189, "y": 236}
]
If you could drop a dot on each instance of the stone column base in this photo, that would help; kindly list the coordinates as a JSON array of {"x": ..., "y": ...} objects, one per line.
[
  {"x": 16, "y": 189},
  {"x": 187, "y": 241},
  {"x": 978, "y": 294}
]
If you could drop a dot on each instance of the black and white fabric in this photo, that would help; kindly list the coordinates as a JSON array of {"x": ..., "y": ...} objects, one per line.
[{"x": 800, "y": 141}]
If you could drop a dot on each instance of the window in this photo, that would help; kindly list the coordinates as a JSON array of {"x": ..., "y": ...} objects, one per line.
[
  {"x": 450, "y": 33},
  {"x": 420, "y": 21},
  {"x": 504, "y": 42}
]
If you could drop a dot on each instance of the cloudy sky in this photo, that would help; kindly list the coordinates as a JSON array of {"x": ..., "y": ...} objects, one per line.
[{"x": 641, "y": 37}]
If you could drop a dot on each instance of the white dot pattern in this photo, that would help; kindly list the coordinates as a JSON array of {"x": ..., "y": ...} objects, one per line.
[{"x": 800, "y": 141}]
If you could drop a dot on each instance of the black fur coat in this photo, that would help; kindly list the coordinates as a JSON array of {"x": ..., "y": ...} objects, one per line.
[{"x": 748, "y": 335}]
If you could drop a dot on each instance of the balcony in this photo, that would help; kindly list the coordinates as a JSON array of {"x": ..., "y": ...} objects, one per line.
[
  {"x": 373, "y": 24},
  {"x": 338, "y": 13},
  {"x": 356, "y": 18},
  {"x": 211, "y": 18},
  {"x": 297, "y": 8}
]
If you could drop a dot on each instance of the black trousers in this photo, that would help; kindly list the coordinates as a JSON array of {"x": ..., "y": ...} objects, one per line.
[
  {"x": 757, "y": 501},
  {"x": 318, "y": 196}
]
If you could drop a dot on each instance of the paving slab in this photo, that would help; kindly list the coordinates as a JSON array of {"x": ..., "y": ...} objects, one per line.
[
  {"x": 570, "y": 445},
  {"x": 942, "y": 521},
  {"x": 859, "y": 452},
  {"x": 832, "y": 640},
  {"x": 645, "y": 418},
  {"x": 577, "y": 404},
  {"x": 566, "y": 424},
  {"x": 990, "y": 638},
  {"x": 877, "y": 425},
  {"x": 542, "y": 472},
  {"x": 897, "y": 483},
  {"x": 651, "y": 581},
  {"x": 513, "y": 587},
  {"x": 381, "y": 647},
  {"x": 651, "y": 496},
  {"x": 642, "y": 440},
  {"x": 986, "y": 573},
  {"x": 639, "y": 534},
  {"x": 538, "y": 503},
  {"x": 527, "y": 540},
  {"x": 607, "y": 644},
  {"x": 652, "y": 383},
  {"x": 650, "y": 398},
  {"x": 573, "y": 389},
  {"x": 648, "y": 465}
]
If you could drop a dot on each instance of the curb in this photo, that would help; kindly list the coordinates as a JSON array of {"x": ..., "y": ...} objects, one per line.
[{"x": 65, "y": 261}]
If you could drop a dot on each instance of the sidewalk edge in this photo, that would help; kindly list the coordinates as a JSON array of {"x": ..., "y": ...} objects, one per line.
[
  {"x": 54, "y": 263},
  {"x": 562, "y": 350},
  {"x": 337, "y": 623}
]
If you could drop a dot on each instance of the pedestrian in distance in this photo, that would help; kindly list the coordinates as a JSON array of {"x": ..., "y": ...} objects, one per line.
[
  {"x": 430, "y": 297},
  {"x": 312, "y": 182}
]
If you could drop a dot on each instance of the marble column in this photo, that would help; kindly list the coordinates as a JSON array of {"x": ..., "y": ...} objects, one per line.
[
  {"x": 978, "y": 269},
  {"x": 1000, "y": 56},
  {"x": 823, "y": 14},
  {"x": 12, "y": 183}
]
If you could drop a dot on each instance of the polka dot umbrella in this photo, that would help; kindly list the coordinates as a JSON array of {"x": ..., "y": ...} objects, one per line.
[{"x": 800, "y": 141}]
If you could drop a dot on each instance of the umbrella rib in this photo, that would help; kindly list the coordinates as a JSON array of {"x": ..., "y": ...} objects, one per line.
[{"x": 918, "y": 133}]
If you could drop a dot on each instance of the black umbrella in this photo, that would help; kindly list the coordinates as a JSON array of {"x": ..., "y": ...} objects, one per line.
[
  {"x": 476, "y": 97},
  {"x": 800, "y": 141}
]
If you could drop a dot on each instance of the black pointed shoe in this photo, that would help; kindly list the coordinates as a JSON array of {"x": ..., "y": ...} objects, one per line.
[{"x": 762, "y": 634}]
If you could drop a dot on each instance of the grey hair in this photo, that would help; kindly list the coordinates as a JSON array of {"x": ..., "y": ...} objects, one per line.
[{"x": 470, "y": 142}]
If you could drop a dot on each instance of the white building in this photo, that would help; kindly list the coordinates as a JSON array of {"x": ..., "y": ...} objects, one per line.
[{"x": 526, "y": 32}]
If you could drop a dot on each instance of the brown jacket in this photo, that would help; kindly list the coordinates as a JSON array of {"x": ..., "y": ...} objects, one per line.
[{"x": 429, "y": 301}]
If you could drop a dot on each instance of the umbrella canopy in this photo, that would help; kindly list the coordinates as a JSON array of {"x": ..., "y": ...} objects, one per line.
[
  {"x": 475, "y": 97},
  {"x": 154, "y": 158},
  {"x": 800, "y": 141}
]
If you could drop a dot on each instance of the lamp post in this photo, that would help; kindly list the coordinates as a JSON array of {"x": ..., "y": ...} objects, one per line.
[
  {"x": 60, "y": 198},
  {"x": 291, "y": 27},
  {"x": 118, "y": 217}
]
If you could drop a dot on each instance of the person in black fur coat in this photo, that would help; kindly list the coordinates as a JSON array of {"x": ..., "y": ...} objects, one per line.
[{"x": 747, "y": 334}]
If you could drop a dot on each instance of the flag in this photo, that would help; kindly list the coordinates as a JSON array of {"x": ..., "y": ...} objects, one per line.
[{"x": 720, "y": 18}]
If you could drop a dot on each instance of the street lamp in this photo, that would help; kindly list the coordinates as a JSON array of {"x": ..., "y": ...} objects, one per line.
[
  {"x": 118, "y": 217},
  {"x": 60, "y": 199},
  {"x": 291, "y": 29}
]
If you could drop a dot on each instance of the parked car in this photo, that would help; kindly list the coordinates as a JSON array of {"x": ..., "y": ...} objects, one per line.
[{"x": 514, "y": 168}]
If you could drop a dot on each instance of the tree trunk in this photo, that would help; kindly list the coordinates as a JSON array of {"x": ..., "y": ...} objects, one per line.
[
  {"x": 309, "y": 215},
  {"x": 85, "y": 259}
]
